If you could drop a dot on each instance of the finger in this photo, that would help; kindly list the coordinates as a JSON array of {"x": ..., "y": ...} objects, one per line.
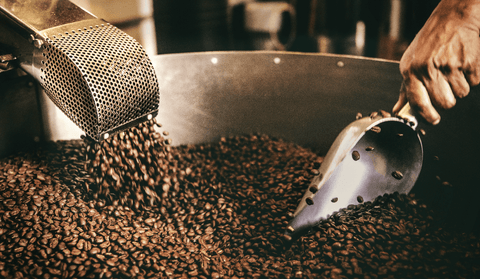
[
  {"x": 419, "y": 99},
  {"x": 458, "y": 84},
  {"x": 473, "y": 77},
  {"x": 440, "y": 92},
  {"x": 402, "y": 100},
  {"x": 472, "y": 74},
  {"x": 472, "y": 65}
]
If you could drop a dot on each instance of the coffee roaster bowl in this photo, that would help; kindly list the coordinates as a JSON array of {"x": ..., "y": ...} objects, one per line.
[{"x": 302, "y": 98}]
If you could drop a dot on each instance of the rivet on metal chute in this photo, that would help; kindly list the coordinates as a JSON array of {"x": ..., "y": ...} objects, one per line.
[
  {"x": 309, "y": 201},
  {"x": 355, "y": 155}
]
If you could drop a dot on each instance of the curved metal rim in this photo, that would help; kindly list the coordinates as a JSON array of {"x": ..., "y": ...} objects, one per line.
[{"x": 263, "y": 52}]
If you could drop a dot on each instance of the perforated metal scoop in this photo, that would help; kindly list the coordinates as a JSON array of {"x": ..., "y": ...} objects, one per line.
[
  {"x": 99, "y": 76},
  {"x": 370, "y": 157}
]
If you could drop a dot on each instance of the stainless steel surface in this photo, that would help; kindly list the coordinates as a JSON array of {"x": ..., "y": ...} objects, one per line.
[
  {"x": 41, "y": 15},
  {"x": 308, "y": 99},
  {"x": 304, "y": 98},
  {"x": 369, "y": 158},
  {"x": 108, "y": 73},
  {"x": 100, "y": 77}
]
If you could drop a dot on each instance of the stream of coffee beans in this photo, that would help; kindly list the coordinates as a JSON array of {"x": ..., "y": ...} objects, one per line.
[{"x": 135, "y": 207}]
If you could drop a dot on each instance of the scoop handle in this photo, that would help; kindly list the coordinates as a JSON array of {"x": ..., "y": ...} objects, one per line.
[{"x": 407, "y": 113}]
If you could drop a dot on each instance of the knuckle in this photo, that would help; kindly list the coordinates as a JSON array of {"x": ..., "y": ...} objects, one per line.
[
  {"x": 425, "y": 71},
  {"x": 415, "y": 68}
]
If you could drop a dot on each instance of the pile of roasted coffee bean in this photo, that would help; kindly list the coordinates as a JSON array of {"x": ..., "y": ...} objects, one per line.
[{"x": 212, "y": 211}]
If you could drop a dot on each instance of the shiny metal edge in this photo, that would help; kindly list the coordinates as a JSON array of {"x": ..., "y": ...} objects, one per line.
[{"x": 133, "y": 123}]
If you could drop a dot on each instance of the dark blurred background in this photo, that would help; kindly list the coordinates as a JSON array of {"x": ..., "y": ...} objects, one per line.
[{"x": 373, "y": 28}]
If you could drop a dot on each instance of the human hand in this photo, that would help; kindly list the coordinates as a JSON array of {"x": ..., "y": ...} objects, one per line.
[{"x": 443, "y": 60}]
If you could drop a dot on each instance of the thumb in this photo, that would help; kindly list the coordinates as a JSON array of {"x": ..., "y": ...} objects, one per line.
[{"x": 402, "y": 100}]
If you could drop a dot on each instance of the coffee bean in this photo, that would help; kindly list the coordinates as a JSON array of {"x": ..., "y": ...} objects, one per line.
[
  {"x": 385, "y": 114},
  {"x": 376, "y": 129},
  {"x": 397, "y": 175},
  {"x": 355, "y": 155}
]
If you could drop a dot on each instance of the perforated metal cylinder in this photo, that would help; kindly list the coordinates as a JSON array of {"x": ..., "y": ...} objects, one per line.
[{"x": 99, "y": 76}]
